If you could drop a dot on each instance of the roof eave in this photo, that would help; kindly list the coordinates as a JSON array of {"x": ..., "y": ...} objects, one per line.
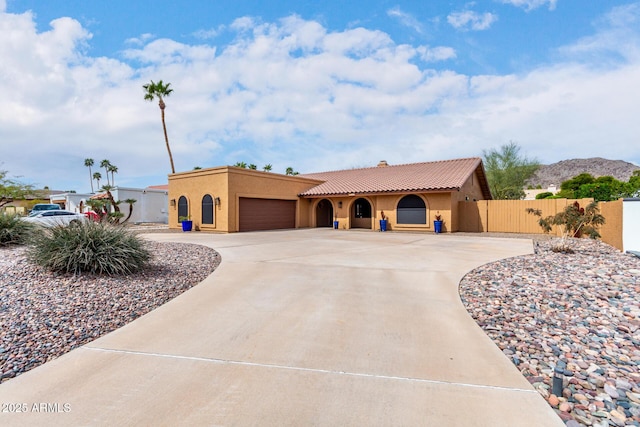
[{"x": 381, "y": 193}]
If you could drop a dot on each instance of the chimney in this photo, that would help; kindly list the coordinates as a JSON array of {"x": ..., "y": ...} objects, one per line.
[{"x": 383, "y": 164}]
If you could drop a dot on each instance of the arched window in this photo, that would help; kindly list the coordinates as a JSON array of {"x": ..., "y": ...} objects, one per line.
[
  {"x": 207, "y": 209},
  {"x": 183, "y": 208},
  {"x": 412, "y": 210}
]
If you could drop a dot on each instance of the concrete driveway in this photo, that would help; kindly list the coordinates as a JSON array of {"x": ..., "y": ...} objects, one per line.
[{"x": 304, "y": 327}]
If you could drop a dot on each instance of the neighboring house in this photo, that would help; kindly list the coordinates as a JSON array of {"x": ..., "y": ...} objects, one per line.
[
  {"x": 151, "y": 202},
  {"x": 530, "y": 194},
  {"x": 23, "y": 206},
  {"x": 230, "y": 199}
]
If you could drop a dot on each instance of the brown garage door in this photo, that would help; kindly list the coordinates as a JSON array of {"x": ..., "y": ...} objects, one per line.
[{"x": 266, "y": 214}]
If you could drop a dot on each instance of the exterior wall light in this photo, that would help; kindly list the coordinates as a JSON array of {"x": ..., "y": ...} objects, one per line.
[
  {"x": 217, "y": 201},
  {"x": 172, "y": 203}
]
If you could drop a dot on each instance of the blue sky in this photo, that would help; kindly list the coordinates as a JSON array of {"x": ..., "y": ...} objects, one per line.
[{"x": 312, "y": 85}]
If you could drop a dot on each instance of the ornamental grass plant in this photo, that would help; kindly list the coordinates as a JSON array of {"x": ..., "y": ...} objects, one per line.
[
  {"x": 14, "y": 231},
  {"x": 90, "y": 247}
]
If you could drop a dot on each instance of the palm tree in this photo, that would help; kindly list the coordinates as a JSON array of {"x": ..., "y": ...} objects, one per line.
[
  {"x": 160, "y": 90},
  {"x": 267, "y": 167},
  {"x": 240, "y": 165},
  {"x": 113, "y": 169},
  {"x": 97, "y": 177},
  {"x": 88, "y": 163},
  {"x": 105, "y": 164},
  {"x": 290, "y": 171},
  {"x": 130, "y": 202},
  {"x": 253, "y": 167}
]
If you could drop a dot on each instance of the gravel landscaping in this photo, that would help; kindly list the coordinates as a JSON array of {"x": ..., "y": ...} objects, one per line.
[
  {"x": 44, "y": 315},
  {"x": 577, "y": 312}
]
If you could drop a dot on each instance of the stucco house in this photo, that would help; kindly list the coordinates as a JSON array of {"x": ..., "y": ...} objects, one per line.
[
  {"x": 151, "y": 202},
  {"x": 232, "y": 199}
]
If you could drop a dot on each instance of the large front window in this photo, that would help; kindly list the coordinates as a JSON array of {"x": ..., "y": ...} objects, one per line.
[
  {"x": 412, "y": 210},
  {"x": 183, "y": 208},
  {"x": 207, "y": 209}
]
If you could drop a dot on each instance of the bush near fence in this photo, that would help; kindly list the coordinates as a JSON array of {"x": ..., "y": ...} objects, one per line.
[{"x": 510, "y": 216}]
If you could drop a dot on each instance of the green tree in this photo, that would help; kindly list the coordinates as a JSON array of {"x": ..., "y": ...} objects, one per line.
[
  {"x": 130, "y": 202},
  {"x": 600, "y": 192},
  {"x": 507, "y": 171},
  {"x": 105, "y": 164},
  {"x": 113, "y": 169},
  {"x": 290, "y": 171},
  {"x": 88, "y": 163},
  {"x": 160, "y": 90},
  {"x": 601, "y": 189},
  {"x": 253, "y": 167},
  {"x": 97, "y": 176},
  {"x": 11, "y": 190},
  {"x": 241, "y": 165},
  {"x": 545, "y": 195},
  {"x": 634, "y": 184},
  {"x": 578, "y": 180},
  {"x": 569, "y": 189},
  {"x": 267, "y": 167}
]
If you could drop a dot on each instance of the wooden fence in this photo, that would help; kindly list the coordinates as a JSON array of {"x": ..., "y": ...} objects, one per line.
[{"x": 510, "y": 216}]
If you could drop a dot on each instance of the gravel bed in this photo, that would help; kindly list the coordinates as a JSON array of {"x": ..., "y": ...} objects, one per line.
[
  {"x": 579, "y": 313},
  {"x": 44, "y": 315}
]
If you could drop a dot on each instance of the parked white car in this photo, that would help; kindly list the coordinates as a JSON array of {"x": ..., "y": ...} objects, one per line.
[
  {"x": 41, "y": 207},
  {"x": 56, "y": 217}
]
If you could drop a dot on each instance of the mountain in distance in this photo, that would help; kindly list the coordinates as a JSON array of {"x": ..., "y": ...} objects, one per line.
[{"x": 557, "y": 173}]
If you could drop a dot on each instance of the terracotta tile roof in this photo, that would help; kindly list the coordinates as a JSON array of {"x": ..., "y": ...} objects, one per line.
[
  {"x": 414, "y": 177},
  {"x": 99, "y": 196}
]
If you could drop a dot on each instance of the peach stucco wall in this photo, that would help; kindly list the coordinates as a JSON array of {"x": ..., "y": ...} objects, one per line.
[
  {"x": 435, "y": 202},
  {"x": 230, "y": 184}
]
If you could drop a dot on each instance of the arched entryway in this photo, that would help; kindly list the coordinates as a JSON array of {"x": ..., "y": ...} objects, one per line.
[
  {"x": 361, "y": 214},
  {"x": 324, "y": 213}
]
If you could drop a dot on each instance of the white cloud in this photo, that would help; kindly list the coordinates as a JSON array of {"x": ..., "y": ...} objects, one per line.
[
  {"x": 616, "y": 39},
  {"x": 206, "y": 34},
  {"x": 530, "y": 5},
  {"x": 141, "y": 40},
  {"x": 406, "y": 19},
  {"x": 293, "y": 93},
  {"x": 439, "y": 53},
  {"x": 469, "y": 19}
]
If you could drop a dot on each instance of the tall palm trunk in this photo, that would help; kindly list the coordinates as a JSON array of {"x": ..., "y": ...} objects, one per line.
[
  {"x": 91, "y": 179},
  {"x": 166, "y": 138}
]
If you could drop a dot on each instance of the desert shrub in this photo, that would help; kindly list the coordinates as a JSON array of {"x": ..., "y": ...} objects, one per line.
[
  {"x": 575, "y": 222},
  {"x": 14, "y": 231},
  {"x": 91, "y": 247},
  {"x": 544, "y": 195}
]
